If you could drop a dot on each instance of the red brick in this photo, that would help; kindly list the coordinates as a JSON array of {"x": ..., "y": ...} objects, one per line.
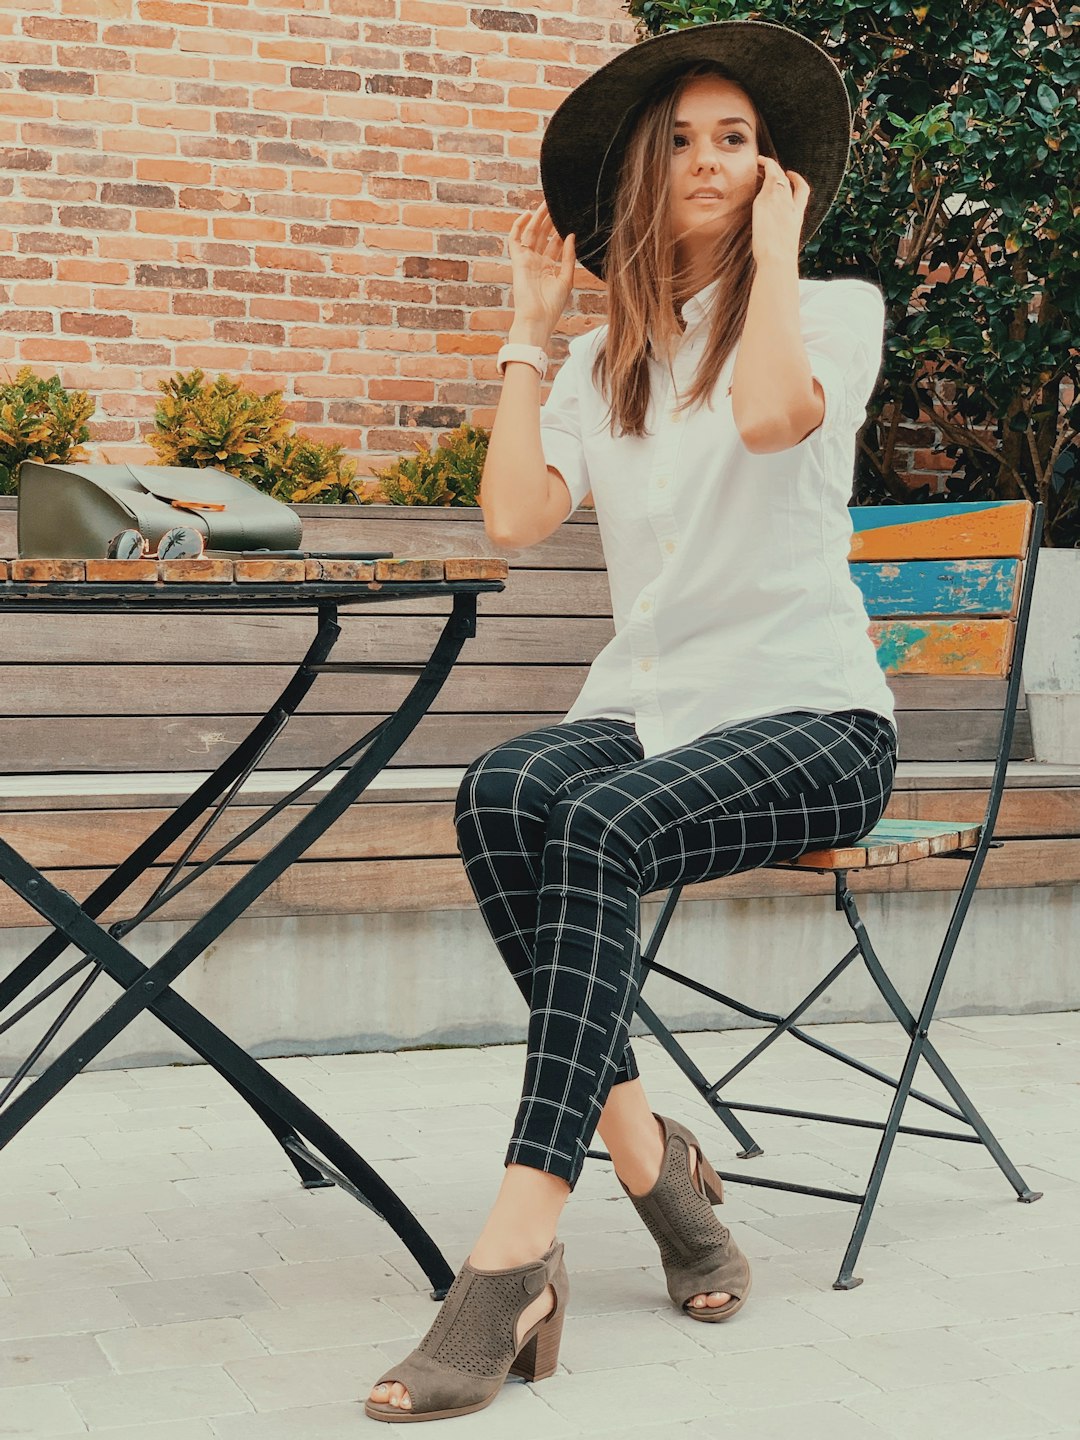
[
  {"x": 171, "y": 277},
  {"x": 324, "y": 235},
  {"x": 53, "y": 242},
  {"x": 247, "y": 333},
  {"x": 248, "y": 281},
  {"x": 28, "y": 267},
  {"x": 27, "y": 321},
  {"x": 503, "y": 20},
  {"x": 319, "y": 79},
  {"x": 424, "y": 266},
  {"x": 115, "y": 326},
  {"x": 158, "y": 197},
  {"x": 57, "y": 82}
]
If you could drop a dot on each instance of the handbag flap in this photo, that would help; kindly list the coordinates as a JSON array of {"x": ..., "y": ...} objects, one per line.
[{"x": 212, "y": 487}]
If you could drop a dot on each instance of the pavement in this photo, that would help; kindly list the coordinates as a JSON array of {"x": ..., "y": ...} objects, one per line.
[{"x": 164, "y": 1277}]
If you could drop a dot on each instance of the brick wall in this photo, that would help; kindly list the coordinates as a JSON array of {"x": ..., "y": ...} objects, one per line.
[{"x": 309, "y": 194}]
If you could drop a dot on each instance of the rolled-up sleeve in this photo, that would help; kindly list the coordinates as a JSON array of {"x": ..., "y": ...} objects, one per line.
[
  {"x": 843, "y": 331},
  {"x": 560, "y": 424}
]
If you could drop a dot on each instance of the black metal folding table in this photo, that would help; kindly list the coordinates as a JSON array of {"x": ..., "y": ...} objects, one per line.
[{"x": 319, "y": 1155}]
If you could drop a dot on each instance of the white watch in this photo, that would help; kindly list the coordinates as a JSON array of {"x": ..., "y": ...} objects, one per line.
[{"x": 527, "y": 354}]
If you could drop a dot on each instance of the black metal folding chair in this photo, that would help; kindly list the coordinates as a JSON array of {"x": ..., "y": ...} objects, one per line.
[{"x": 948, "y": 589}]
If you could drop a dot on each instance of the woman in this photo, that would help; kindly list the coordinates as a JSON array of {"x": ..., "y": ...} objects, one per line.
[{"x": 739, "y": 716}]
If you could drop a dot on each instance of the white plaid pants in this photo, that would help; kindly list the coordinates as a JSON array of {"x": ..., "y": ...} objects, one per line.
[{"x": 563, "y": 829}]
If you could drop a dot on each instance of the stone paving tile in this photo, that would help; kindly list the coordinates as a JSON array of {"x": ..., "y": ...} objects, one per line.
[
  {"x": 168, "y": 1347},
  {"x": 48, "y": 1358},
  {"x": 1054, "y": 1394},
  {"x": 71, "y": 1272},
  {"x": 39, "y": 1412},
  {"x": 252, "y": 1217},
  {"x": 905, "y": 1359},
  {"x": 1030, "y": 1342},
  {"x": 330, "y": 1324},
  {"x": 759, "y": 1381},
  {"x": 318, "y": 1294},
  {"x": 144, "y": 1399},
  {"x": 73, "y": 1237},
  {"x": 206, "y": 1255},
  {"x": 962, "y": 1410},
  {"x": 202, "y": 1297},
  {"x": 13, "y": 1243},
  {"x": 60, "y": 1312}
]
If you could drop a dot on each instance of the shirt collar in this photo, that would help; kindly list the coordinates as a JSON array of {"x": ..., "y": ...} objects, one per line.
[{"x": 697, "y": 308}]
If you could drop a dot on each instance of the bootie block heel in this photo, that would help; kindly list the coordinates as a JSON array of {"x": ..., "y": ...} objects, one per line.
[
  {"x": 696, "y": 1251},
  {"x": 463, "y": 1360}
]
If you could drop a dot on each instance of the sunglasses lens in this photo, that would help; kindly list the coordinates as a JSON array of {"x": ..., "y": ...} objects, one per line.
[
  {"x": 181, "y": 543},
  {"x": 127, "y": 545}
]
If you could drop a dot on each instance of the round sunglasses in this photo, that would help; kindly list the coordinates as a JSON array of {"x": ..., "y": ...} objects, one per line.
[{"x": 179, "y": 543}]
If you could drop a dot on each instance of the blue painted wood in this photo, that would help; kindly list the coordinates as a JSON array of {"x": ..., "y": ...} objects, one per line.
[
  {"x": 938, "y": 587},
  {"x": 874, "y": 517}
]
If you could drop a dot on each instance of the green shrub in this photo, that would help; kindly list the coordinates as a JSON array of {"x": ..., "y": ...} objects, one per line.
[
  {"x": 449, "y": 474},
  {"x": 961, "y": 203},
  {"x": 228, "y": 427},
  {"x": 40, "y": 420}
]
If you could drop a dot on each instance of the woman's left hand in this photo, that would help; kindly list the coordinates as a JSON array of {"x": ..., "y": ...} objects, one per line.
[{"x": 777, "y": 216}]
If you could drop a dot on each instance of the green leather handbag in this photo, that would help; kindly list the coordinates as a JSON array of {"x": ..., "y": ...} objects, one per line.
[{"x": 73, "y": 511}]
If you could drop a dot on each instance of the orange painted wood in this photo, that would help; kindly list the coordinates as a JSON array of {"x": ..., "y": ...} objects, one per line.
[
  {"x": 988, "y": 533},
  {"x": 40, "y": 572},
  {"x": 4, "y": 571},
  {"x": 358, "y": 570},
  {"x": 289, "y": 572},
  {"x": 461, "y": 567},
  {"x": 943, "y": 647},
  {"x": 893, "y": 842},
  {"x": 202, "y": 570},
  {"x": 409, "y": 569},
  {"x": 122, "y": 572}
]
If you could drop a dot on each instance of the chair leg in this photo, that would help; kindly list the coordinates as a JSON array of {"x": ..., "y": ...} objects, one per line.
[{"x": 920, "y": 1047}]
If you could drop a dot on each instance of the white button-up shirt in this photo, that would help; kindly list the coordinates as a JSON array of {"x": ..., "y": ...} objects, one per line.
[{"x": 729, "y": 576}]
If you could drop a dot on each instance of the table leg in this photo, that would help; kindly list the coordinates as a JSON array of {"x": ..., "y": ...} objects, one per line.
[{"x": 148, "y": 986}]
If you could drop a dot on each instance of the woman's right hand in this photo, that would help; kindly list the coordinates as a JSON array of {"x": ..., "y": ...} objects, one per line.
[{"x": 543, "y": 275}]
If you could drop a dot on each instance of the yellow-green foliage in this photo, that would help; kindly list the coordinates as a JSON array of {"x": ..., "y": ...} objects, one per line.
[
  {"x": 449, "y": 474},
  {"x": 228, "y": 427},
  {"x": 40, "y": 420}
]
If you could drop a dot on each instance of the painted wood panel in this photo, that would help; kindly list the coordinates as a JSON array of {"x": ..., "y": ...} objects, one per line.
[
  {"x": 943, "y": 647},
  {"x": 929, "y": 532},
  {"x": 939, "y": 587}
]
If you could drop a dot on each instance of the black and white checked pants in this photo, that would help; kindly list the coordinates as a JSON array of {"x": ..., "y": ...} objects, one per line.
[{"x": 563, "y": 829}]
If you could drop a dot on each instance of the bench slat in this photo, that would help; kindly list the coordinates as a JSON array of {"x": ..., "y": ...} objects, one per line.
[
  {"x": 943, "y": 647},
  {"x": 994, "y": 528},
  {"x": 928, "y": 587}
]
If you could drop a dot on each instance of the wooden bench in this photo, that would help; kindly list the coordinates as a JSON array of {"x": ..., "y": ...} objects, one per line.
[{"x": 171, "y": 702}]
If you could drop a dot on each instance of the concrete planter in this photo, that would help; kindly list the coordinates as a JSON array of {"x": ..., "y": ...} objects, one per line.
[{"x": 1052, "y": 658}]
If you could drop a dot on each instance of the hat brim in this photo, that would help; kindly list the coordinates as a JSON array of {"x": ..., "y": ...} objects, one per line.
[{"x": 793, "y": 82}]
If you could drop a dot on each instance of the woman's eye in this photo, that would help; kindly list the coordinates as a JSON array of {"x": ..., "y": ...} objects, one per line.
[
  {"x": 740, "y": 138},
  {"x": 679, "y": 142}
]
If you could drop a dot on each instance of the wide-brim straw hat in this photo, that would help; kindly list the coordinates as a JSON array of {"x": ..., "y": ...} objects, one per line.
[{"x": 796, "y": 86}]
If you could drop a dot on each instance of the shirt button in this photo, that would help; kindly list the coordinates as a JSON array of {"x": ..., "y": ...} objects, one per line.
[
  {"x": 669, "y": 546},
  {"x": 662, "y": 482},
  {"x": 646, "y": 606},
  {"x": 644, "y": 664}
]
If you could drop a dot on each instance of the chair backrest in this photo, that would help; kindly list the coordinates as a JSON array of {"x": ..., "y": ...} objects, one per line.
[{"x": 948, "y": 589}]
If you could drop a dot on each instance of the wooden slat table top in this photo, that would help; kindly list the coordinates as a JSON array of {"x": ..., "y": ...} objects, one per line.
[{"x": 233, "y": 584}]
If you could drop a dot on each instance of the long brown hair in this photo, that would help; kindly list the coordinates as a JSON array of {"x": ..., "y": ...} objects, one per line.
[{"x": 640, "y": 268}]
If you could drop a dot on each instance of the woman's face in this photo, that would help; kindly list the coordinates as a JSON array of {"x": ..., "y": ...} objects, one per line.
[{"x": 714, "y": 155}]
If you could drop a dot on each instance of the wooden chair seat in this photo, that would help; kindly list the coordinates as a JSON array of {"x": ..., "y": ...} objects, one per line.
[{"x": 893, "y": 842}]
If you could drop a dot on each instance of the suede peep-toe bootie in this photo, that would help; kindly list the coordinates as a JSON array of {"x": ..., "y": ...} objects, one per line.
[
  {"x": 697, "y": 1252},
  {"x": 463, "y": 1360}
]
